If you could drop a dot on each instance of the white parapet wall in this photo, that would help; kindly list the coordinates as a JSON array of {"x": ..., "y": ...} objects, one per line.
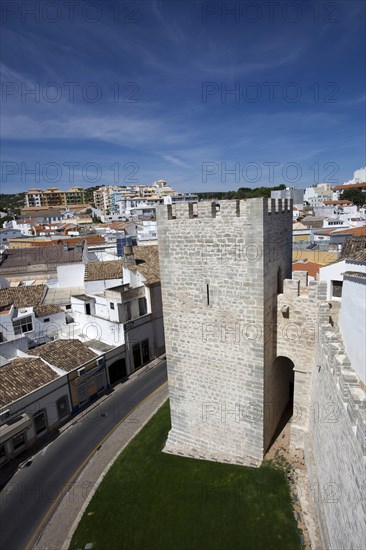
[{"x": 352, "y": 320}]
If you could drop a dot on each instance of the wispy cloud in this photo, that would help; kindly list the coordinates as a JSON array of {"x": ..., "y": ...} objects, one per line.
[
  {"x": 176, "y": 161},
  {"x": 168, "y": 53}
]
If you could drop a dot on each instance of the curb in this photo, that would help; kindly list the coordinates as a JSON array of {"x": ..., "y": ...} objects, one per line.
[{"x": 68, "y": 539}]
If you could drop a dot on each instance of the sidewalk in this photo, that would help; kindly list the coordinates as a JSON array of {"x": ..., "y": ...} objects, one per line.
[{"x": 59, "y": 530}]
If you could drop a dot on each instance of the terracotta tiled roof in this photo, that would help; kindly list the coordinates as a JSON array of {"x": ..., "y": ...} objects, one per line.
[
  {"x": 311, "y": 267},
  {"x": 22, "y": 376},
  {"x": 31, "y": 242},
  {"x": 324, "y": 232},
  {"x": 118, "y": 225},
  {"x": 50, "y": 210},
  {"x": 46, "y": 309},
  {"x": 313, "y": 222},
  {"x": 64, "y": 354},
  {"x": 298, "y": 226},
  {"x": 147, "y": 263},
  {"x": 58, "y": 254},
  {"x": 354, "y": 248},
  {"x": 350, "y": 186},
  {"x": 22, "y": 296},
  {"x": 355, "y": 231},
  {"x": 99, "y": 271},
  {"x": 337, "y": 202}
]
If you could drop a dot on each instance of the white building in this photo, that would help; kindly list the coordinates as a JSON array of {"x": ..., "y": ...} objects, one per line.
[
  {"x": 40, "y": 389},
  {"x": 352, "y": 318},
  {"x": 147, "y": 233},
  {"x": 24, "y": 228},
  {"x": 315, "y": 196},
  {"x": 347, "y": 214},
  {"x": 34, "y": 399},
  {"x": 353, "y": 259},
  {"x": 8, "y": 233},
  {"x": 290, "y": 193},
  {"x": 128, "y": 314},
  {"x": 112, "y": 217},
  {"x": 37, "y": 325}
]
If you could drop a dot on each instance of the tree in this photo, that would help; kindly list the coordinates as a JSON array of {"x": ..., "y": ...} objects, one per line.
[
  {"x": 5, "y": 219},
  {"x": 354, "y": 195}
]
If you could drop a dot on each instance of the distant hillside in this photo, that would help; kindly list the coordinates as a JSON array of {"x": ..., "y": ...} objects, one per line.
[{"x": 13, "y": 202}]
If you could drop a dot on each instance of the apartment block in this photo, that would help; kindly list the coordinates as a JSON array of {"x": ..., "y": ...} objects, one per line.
[{"x": 52, "y": 197}]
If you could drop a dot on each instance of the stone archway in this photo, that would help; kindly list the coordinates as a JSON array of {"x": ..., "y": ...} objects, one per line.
[{"x": 279, "y": 409}]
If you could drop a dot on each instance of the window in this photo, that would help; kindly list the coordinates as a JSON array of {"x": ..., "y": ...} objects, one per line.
[
  {"x": 145, "y": 351},
  {"x": 136, "y": 356},
  {"x": 18, "y": 442},
  {"x": 40, "y": 424},
  {"x": 22, "y": 325},
  {"x": 68, "y": 306},
  {"x": 82, "y": 393},
  {"x": 46, "y": 320},
  {"x": 111, "y": 305},
  {"x": 62, "y": 407},
  {"x": 142, "y": 306},
  {"x": 141, "y": 354},
  {"x": 87, "y": 309},
  {"x": 337, "y": 289},
  {"x": 128, "y": 311}
]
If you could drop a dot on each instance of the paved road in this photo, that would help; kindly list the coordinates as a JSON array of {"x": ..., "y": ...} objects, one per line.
[{"x": 33, "y": 489}]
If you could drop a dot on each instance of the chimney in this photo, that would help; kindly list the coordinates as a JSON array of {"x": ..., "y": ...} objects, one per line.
[{"x": 128, "y": 256}]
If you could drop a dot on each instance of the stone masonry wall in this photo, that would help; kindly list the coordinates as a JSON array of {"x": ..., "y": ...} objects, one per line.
[
  {"x": 297, "y": 336},
  {"x": 226, "y": 320},
  {"x": 277, "y": 267},
  {"x": 335, "y": 448},
  {"x": 329, "y": 417},
  {"x": 212, "y": 266}
]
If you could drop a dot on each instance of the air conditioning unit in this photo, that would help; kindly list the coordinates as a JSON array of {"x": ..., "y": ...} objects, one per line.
[{"x": 81, "y": 371}]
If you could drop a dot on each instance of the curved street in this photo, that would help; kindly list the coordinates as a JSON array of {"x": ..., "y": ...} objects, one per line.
[{"x": 31, "y": 497}]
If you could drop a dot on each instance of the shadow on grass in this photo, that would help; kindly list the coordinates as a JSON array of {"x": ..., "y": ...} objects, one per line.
[{"x": 156, "y": 501}]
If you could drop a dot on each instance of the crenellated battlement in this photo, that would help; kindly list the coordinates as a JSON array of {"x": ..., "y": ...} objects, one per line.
[
  {"x": 225, "y": 209},
  {"x": 275, "y": 206},
  {"x": 302, "y": 302},
  {"x": 350, "y": 388}
]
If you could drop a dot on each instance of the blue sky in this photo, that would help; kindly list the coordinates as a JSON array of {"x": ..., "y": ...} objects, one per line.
[{"x": 149, "y": 95}]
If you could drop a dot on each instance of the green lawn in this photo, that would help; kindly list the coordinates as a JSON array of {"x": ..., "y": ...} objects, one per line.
[{"x": 154, "y": 501}]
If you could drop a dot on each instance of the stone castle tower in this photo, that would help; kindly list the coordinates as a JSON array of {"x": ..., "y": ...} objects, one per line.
[
  {"x": 222, "y": 267},
  {"x": 246, "y": 343}
]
